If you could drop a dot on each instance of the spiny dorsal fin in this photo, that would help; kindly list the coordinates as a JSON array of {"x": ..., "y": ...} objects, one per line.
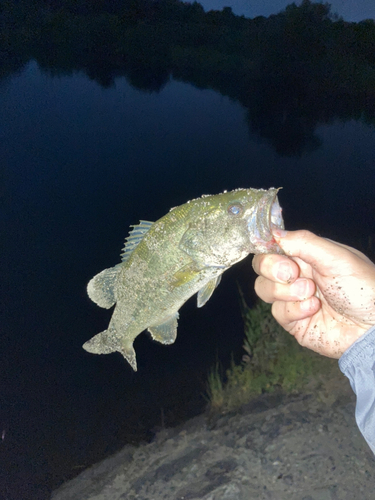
[{"x": 135, "y": 237}]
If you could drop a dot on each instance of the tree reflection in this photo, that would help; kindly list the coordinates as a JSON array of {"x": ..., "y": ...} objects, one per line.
[{"x": 291, "y": 71}]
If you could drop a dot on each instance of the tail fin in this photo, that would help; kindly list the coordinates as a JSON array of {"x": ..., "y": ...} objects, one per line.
[
  {"x": 101, "y": 344},
  {"x": 129, "y": 354}
]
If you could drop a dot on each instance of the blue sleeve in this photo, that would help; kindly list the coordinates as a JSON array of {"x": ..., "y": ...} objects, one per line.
[{"x": 358, "y": 364}]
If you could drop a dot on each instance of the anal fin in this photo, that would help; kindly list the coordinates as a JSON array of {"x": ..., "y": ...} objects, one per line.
[{"x": 166, "y": 332}]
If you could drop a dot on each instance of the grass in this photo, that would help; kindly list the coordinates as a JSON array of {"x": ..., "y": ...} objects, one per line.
[{"x": 273, "y": 360}]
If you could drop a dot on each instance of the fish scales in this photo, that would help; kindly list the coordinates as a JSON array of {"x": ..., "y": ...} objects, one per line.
[{"x": 184, "y": 252}]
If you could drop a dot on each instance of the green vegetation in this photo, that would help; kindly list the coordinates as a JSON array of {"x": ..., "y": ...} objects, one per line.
[{"x": 273, "y": 361}]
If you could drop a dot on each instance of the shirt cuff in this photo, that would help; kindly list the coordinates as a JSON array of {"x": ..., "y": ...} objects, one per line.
[
  {"x": 362, "y": 352},
  {"x": 358, "y": 364}
]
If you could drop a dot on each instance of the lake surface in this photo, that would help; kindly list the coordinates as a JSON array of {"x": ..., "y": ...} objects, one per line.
[{"x": 79, "y": 164}]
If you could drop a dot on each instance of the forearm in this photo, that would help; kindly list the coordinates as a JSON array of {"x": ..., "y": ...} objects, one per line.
[{"x": 358, "y": 364}]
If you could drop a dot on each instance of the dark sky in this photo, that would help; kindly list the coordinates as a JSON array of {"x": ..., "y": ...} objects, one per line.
[{"x": 350, "y": 10}]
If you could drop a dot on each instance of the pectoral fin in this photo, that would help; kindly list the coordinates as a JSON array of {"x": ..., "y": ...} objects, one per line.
[
  {"x": 205, "y": 293},
  {"x": 185, "y": 274},
  {"x": 101, "y": 287},
  {"x": 166, "y": 332}
]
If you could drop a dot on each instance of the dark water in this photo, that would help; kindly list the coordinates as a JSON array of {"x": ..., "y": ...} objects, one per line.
[{"x": 78, "y": 165}]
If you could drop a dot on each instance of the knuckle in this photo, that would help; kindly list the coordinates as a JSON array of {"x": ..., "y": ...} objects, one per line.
[
  {"x": 262, "y": 289},
  {"x": 260, "y": 263},
  {"x": 258, "y": 285},
  {"x": 305, "y": 234},
  {"x": 256, "y": 262}
]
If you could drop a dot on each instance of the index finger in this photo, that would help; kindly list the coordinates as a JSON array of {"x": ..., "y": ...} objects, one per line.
[{"x": 275, "y": 267}]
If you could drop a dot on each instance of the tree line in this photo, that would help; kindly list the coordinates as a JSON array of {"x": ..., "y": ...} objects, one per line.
[{"x": 305, "y": 65}]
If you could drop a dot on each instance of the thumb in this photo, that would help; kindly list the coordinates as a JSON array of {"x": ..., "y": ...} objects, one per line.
[{"x": 320, "y": 253}]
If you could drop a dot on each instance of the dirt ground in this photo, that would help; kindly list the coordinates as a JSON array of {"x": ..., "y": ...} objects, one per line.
[{"x": 278, "y": 447}]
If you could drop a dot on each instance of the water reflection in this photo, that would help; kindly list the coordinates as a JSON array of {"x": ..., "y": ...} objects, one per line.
[{"x": 291, "y": 72}]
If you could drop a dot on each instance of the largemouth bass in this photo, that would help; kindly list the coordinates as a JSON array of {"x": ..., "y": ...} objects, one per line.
[{"x": 166, "y": 262}]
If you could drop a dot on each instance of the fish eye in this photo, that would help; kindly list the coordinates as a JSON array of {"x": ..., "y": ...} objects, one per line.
[{"x": 235, "y": 209}]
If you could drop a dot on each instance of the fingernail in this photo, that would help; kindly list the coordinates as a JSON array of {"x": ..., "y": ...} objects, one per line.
[
  {"x": 281, "y": 233},
  {"x": 284, "y": 272},
  {"x": 299, "y": 288}
]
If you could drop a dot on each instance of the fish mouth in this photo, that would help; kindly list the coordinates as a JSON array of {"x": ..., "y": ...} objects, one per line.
[
  {"x": 266, "y": 216},
  {"x": 276, "y": 218}
]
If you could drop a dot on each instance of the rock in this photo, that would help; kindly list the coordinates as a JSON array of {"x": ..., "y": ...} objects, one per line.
[{"x": 275, "y": 448}]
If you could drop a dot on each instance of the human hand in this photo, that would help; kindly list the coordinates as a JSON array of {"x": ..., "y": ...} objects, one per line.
[{"x": 322, "y": 292}]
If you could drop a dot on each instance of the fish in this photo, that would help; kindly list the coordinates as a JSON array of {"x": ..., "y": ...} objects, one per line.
[{"x": 166, "y": 262}]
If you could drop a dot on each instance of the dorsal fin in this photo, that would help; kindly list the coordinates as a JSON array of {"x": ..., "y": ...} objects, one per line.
[
  {"x": 101, "y": 288},
  {"x": 135, "y": 237}
]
